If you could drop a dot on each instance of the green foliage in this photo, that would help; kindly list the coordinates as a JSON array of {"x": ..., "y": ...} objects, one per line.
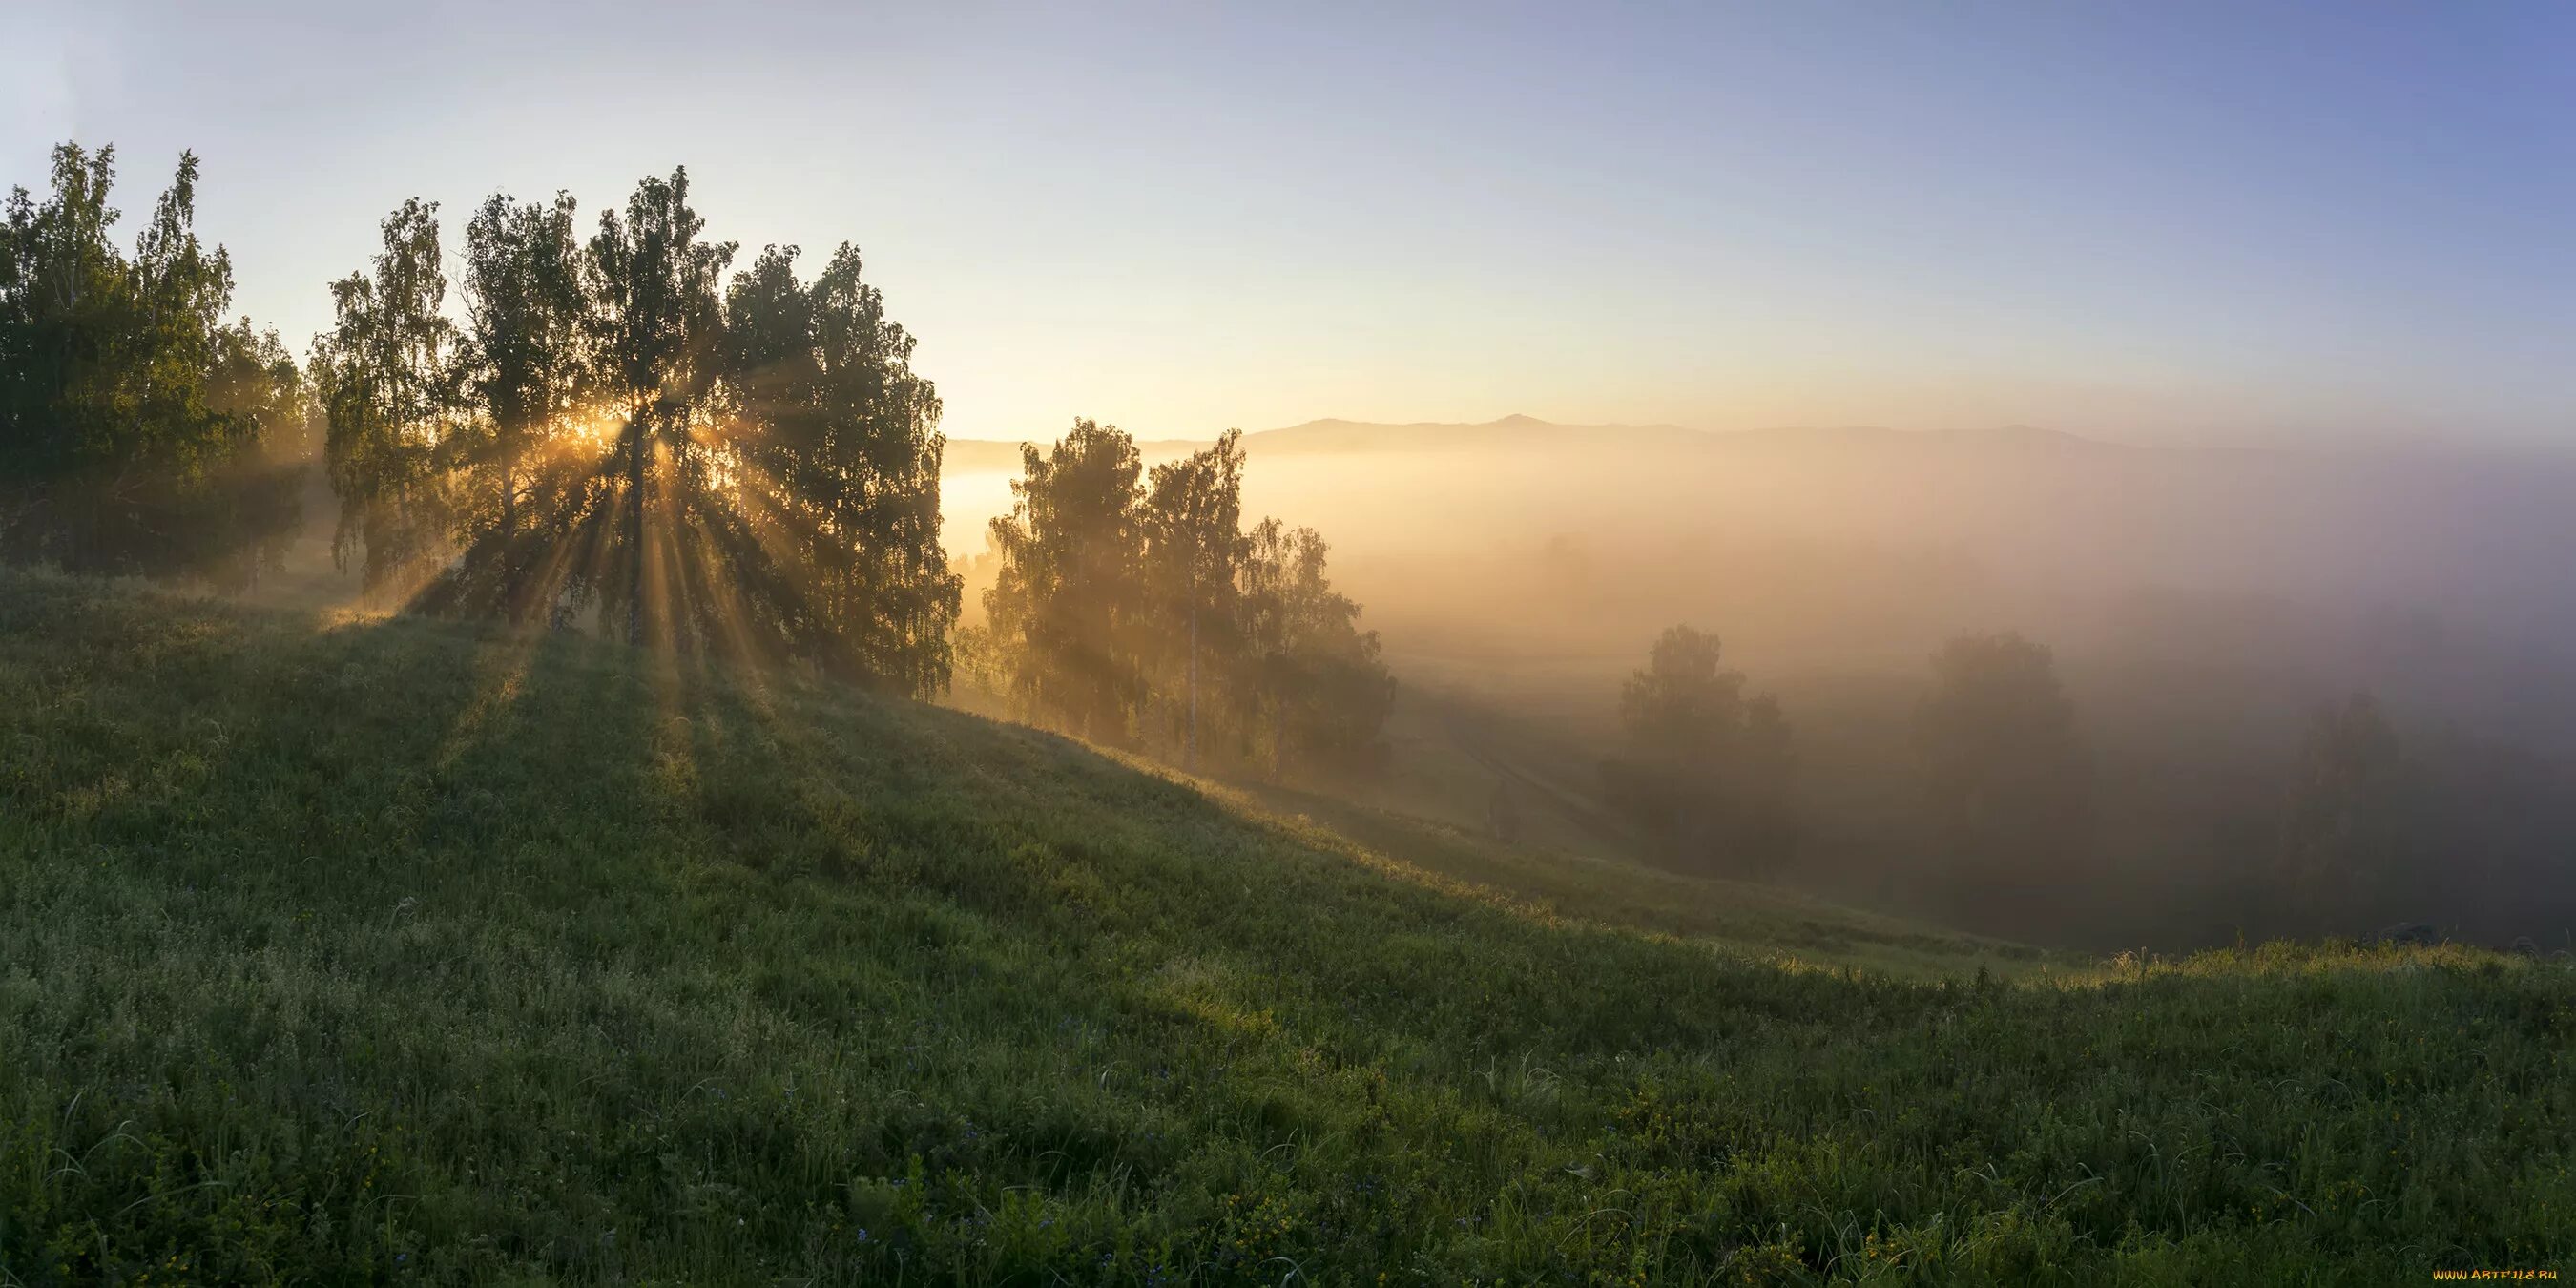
[
  {"x": 1194, "y": 554},
  {"x": 387, "y": 375},
  {"x": 389, "y": 951},
  {"x": 522, "y": 366},
  {"x": 1123, "y": 612},
  {"x": 749, "y": 470},
  {"x": 655, "y": 286},
  {"x": 140, "y": 433},
  {"x": 867, "y": 538},
  {"x": 1706, "y": 769},
  {"x": 1068, "y": 606},
  {"x": 1317, "y": 686}
]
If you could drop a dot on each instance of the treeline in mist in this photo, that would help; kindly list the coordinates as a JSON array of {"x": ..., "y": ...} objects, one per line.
[
  {"x": 1137, "y": 609},
  {"x": 2377, "y": 824},
  {"x": 1707, "y": 773},
  {"x": 2008, "y": 820},
  {"x": 141, "y": 433}
]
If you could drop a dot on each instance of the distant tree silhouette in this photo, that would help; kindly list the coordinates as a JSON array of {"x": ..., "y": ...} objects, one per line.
[
  {"x": 1503, "y": 812},
  {"x": 1705, "y": 769},
  {"x": 2005, "y": 773},
  {"x": 2346, "y": 827},
  {"x": 140, "y": 433}
]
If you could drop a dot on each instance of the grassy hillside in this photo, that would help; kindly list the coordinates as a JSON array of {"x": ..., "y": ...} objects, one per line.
[{"x": 335, "y": 951}]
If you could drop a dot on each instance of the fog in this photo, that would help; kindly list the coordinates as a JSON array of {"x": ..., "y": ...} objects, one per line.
[{"x": 2202, "y": 605}]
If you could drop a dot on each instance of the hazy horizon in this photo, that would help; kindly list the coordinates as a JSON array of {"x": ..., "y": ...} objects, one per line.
[{"x": 2355, "y": 446}]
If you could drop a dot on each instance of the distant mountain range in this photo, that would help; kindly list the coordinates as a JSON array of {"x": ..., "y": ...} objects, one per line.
[{"x": 1528, "y": 432}]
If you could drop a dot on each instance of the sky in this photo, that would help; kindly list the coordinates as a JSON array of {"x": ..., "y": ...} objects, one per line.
[{"x": 2342, "y": 222}]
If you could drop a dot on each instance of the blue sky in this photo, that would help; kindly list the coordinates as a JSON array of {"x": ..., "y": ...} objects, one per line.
[{"x": 2343, "y": 222}]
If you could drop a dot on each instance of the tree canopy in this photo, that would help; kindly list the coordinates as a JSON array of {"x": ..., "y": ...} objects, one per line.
[
  {"x": 2006, "y": 779},
  {"x": 2346, "y": 852},
  {"x": 140, "y": 432},
  {"x": 1067, "y": 610},
  {"x": 1705, "y": 769},
  {"x": 745, "y": 466},
  {"x": 1134, "y": 608}
]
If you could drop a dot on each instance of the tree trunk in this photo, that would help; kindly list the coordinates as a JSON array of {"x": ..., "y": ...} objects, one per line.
[
  {"x": 635, "y": 528},
  {"x": 513, "y": 595},
  {"x": 1190, "y": 753}
]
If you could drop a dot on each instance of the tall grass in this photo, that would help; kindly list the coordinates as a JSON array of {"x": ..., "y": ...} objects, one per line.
[{"x": 362, "y": 950}]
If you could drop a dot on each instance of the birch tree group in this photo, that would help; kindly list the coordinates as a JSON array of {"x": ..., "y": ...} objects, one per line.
[
  {"x": 1131, "y": 606},
  {"x": 141, "y": 432},
  {"x": 613, "y": 429}
]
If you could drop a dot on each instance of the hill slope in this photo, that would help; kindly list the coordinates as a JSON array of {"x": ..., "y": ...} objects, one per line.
[{"x": 368, "y": 950}]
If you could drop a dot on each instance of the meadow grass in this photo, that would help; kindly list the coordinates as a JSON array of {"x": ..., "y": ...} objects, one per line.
[{"x": 352, "y": 950}]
